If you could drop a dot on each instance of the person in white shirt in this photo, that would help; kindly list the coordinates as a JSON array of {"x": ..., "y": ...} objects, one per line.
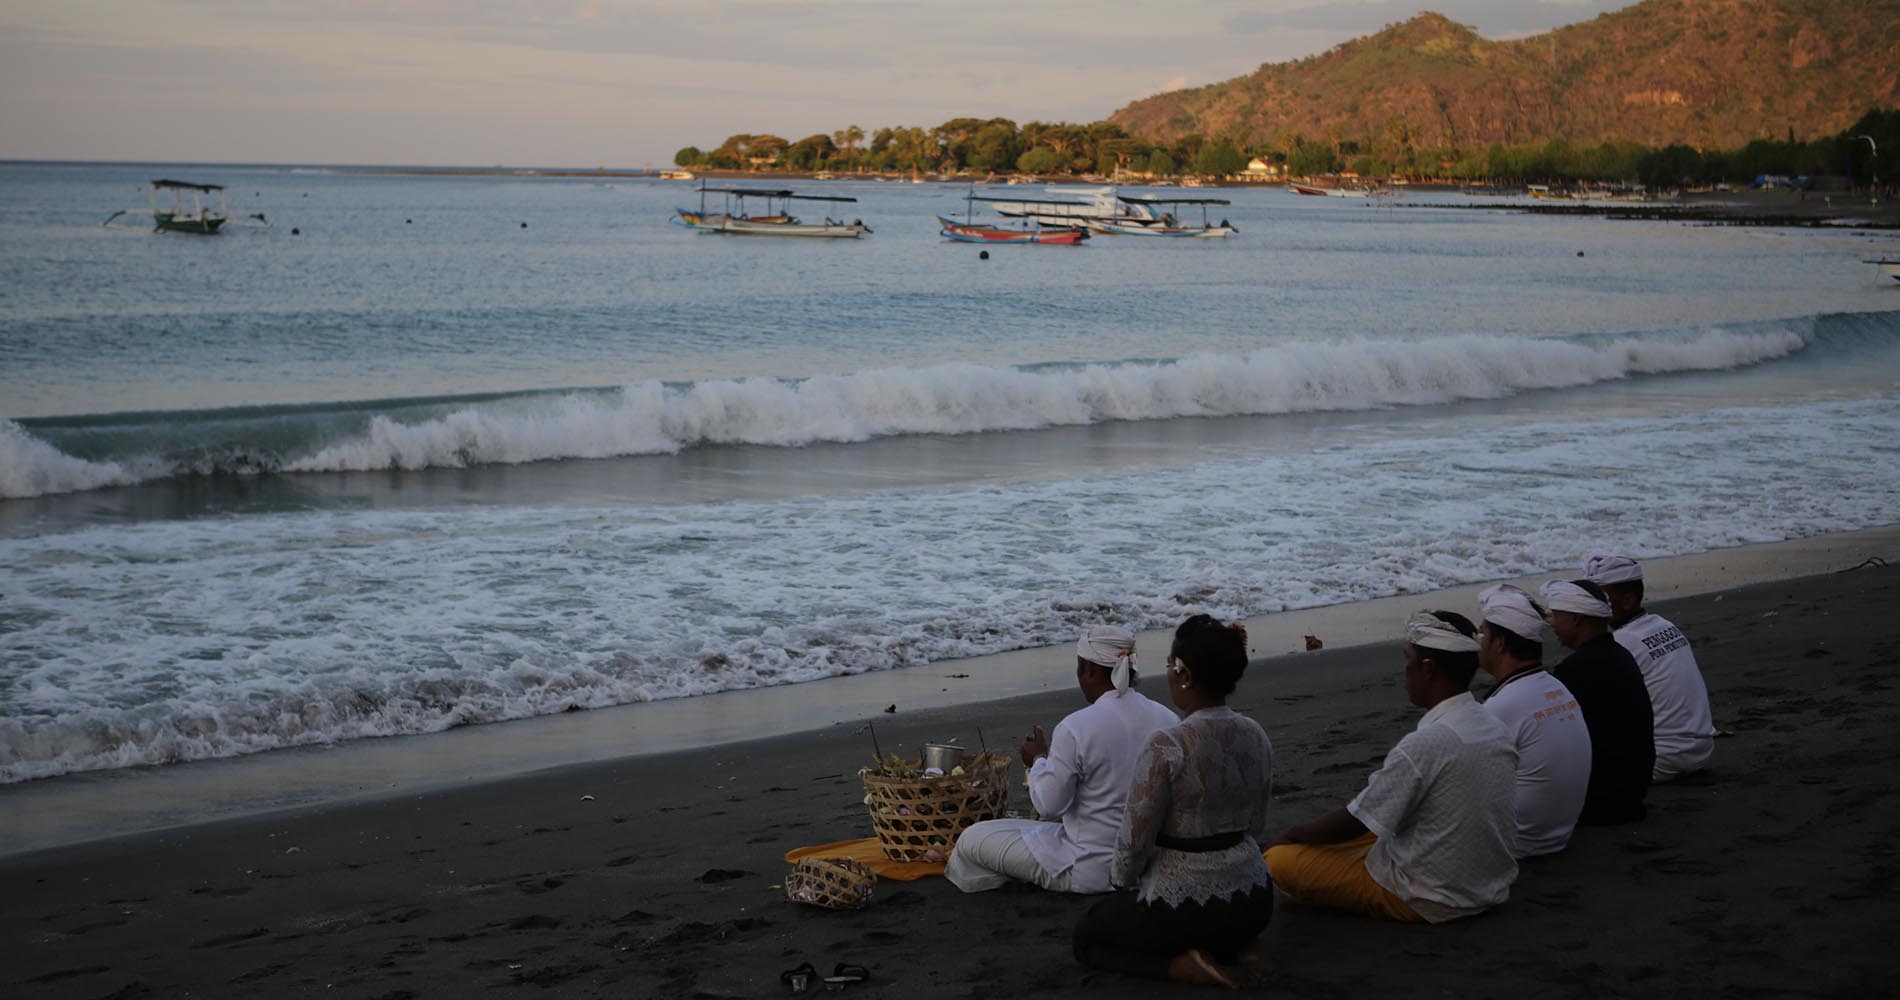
[
  {"x": 1546, "y": 726},
  {"x": 1685, "y": 728},
  {"x": 1078, "y": 782},
  {"x": 1430, "y": 837}
]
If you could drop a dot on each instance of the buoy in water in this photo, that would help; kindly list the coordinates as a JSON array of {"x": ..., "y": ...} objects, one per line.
[
  {"x": 294, "y": 231},
  {"x": 524, "y": 225},
  {"x": 1580, "y": 253},
  {"x": 982, "y": 255},
  {"x": 407, "y": 221}
]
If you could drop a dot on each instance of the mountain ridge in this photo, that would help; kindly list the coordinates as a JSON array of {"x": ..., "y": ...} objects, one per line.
[{"x": 1705, "y": 73}]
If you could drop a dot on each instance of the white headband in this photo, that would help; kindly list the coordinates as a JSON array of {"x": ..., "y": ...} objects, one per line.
[
  {"x": 1562, "y": 595},
  {"x": 1511, "y": 608},
  {"x": 1611, "y": 569},
  {"x": 1428, "y": 631},
  {"x": 1110, "y": 646}
]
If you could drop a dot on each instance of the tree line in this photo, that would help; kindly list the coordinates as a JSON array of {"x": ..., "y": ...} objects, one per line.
[{"x": 1060, "y": 149}]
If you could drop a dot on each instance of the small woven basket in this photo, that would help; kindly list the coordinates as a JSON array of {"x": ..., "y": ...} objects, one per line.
[
  {"x": 833, "y": 883},
  {"x": 918, "y": 817}
]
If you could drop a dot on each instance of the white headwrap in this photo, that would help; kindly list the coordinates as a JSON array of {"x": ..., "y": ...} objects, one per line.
[
  {"x": 1602, "y": 570},
  {"x": 1511, "y": 608},
  {"x": 1110, "y": 646},
  {"x": 1428, "y": 631},
  {"x": 1562, "y": 595}
]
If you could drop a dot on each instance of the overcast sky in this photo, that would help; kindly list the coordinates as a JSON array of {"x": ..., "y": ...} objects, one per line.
[{"x": 588, "y": 83}]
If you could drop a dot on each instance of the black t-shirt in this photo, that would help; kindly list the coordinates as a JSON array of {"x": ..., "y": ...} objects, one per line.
[{"x": 1609, "y": 689}]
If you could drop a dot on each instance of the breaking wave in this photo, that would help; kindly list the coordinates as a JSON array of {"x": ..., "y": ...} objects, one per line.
[{"x": 50, "y": 456}]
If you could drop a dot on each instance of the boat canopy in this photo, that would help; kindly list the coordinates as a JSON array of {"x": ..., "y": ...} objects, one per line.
[
  {"x": 1174, "y": 201},
  {"x": 764, "y": 193},
  {"x": 1013, "y": 200},
  {"x": 187, "y": 186}
]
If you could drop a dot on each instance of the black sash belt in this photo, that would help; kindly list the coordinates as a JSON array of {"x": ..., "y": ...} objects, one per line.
[{"x": 1201, "y": 845}]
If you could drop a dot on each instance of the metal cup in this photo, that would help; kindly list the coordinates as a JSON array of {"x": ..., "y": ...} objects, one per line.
[{"x": 944, "y": 757}]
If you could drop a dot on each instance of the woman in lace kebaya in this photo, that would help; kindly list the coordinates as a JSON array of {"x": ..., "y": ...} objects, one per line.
[{"x": 1190, "y": 839}]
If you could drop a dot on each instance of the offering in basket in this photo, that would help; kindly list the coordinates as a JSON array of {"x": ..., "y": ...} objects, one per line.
[{"x": 919, "y": 815}]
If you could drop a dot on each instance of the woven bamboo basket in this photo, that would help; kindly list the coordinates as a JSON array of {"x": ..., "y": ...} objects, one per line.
[
  {"x": 918, "y": 817},
  {"x": 833, "y": 883}
]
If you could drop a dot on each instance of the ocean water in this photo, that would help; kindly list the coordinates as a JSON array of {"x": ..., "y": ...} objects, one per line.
[{"x": 418, "y": 466}]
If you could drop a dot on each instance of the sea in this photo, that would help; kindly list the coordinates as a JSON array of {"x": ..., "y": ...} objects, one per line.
[{"x": 437, "y": 450}]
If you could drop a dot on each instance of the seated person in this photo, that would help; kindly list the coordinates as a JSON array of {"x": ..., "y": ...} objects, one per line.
[
  {"x": 1546, "y": 725},
  {"x": 1430, "y": 837},
  {"x": 1190, "y": 841},
  {"x": 1615, "y": 703},
  {"x": 1078, "y": 782},
  {"x": 1678, "y": 697}
]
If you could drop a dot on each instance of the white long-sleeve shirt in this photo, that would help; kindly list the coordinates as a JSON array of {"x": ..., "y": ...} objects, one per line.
[{"x": 1083, "y": 783}]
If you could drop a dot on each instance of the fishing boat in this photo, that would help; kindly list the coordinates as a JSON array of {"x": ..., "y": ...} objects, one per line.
[
  {"x": 178, "y": 216},
  {"x": 1081, "y": 207},
  {"x": 1324, "y": 192},
  {"x": 1167, "y": 225},
  {"x": 1889, "y": 266},
  {"x": 970, "y": 232},
  {"x": 777, "y": 220}
]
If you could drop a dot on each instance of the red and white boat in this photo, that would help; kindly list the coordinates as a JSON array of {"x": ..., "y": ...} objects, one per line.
[{"x": 972, "y": 232}]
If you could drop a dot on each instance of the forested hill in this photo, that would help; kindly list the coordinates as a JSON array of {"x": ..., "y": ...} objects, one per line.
[{"x": 1699, "y": 72}]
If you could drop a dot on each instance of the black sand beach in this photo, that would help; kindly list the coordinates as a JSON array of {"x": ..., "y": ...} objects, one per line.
[{"x": 654, "y": 876}]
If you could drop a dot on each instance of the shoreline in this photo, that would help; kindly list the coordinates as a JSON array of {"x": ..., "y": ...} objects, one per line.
[
  {"x": 89, "y": 806},
  {"x": 658, "y": 875}
]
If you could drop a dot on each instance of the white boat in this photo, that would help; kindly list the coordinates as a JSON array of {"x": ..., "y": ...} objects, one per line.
[
  {"x": 1166, "y": 225},
  {"x": 776, "y": 220},
  {"x": 1080, "y": 207}
]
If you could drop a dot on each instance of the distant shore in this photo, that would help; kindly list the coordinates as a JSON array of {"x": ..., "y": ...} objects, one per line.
[{"x": 1737, "y": 208}]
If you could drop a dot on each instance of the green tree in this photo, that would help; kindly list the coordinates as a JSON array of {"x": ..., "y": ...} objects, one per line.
[
  {"x": 1310, "y": 159},
  {"x": 687, "y": 156},
  {"x": 1040, "y": 160},
  {"x": 1160, "y": 163},
  {"x": 1219, "y": 159}
]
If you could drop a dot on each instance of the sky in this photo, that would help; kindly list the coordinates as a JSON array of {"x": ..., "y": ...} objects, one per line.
[{"x": 600, "y": 83}]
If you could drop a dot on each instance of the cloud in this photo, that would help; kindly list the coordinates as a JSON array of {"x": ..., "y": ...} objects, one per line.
[
  {"x": 1173, "y": 83},
  {"x": 1492, "y": 18}
]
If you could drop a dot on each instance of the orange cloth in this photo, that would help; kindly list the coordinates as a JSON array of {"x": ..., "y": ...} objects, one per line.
[
  {"x": 1335, "y": 875},
  {"x": 871, "y": 853}
]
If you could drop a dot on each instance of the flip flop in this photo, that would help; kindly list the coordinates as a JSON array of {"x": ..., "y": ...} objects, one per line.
[
  {"x": 799, "y": 980},
  {"x": 844, "y": 974}
]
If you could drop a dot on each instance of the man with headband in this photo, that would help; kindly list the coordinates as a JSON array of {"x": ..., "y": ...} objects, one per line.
[
  {"x": 1685, "y": 728},
  {"x": 1430, "y": 837},
  {"x": 1078, "y": 782},
  {"x": 1546, "y": 725},
  {"x": 1615, "y": 703}
]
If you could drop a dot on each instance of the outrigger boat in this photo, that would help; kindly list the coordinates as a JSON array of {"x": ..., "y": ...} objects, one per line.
[
  {"x": 968, "y": 232},
  {"x": 1326, "y": 192},
  {"x": 777, "y": 220},
  {"x": 182, "y": 218},
  {"x": 1167, "y": 225},
  {"x": 1022, "y": 231}
]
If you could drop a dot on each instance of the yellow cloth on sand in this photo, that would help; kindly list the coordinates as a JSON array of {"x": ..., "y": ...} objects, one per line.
[
  {"x": 1335, "y": 875},
  {"x": 871, "y": 853}
]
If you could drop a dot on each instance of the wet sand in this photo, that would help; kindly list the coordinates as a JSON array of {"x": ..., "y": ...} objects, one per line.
[{"x": 654, "y": 875}]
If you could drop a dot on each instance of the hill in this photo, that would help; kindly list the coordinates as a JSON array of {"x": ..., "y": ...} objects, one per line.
[{"x": 1707, "y": 73}]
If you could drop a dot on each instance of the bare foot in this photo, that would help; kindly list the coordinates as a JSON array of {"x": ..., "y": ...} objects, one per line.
[{"x": 1196, "y": 969}]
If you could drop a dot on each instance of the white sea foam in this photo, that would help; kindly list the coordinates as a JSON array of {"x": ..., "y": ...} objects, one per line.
[
  {"x": 177, "y": 640},
  {"x": 30, "y": 467},
  {"x": 653, "y": 418}
]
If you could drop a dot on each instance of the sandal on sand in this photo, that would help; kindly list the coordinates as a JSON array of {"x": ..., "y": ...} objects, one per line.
[
  {"x": 844, "y": 974},
  {"x": 799, "y": 980},
  {"x": 1203, "y": 972}
]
